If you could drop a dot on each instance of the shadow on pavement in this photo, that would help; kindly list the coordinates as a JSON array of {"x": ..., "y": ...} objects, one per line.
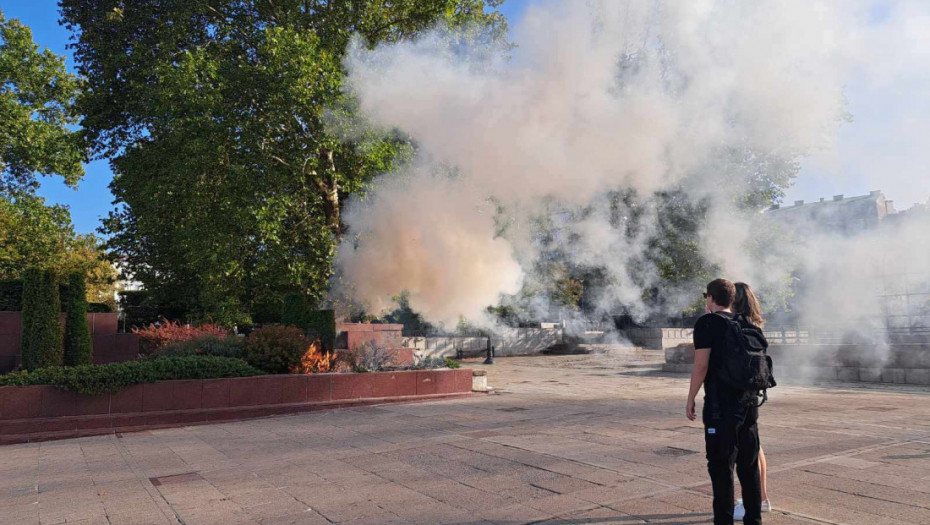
[{"x": 688, "y": 518}]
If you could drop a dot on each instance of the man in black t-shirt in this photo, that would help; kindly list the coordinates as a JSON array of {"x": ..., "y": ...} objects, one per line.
[{"x": 731, "y": 435}]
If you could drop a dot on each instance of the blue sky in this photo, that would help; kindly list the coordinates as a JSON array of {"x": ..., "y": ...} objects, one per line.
[{"x": 884, "y": 148}]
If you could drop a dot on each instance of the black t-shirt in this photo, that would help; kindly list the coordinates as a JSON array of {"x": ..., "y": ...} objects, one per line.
[{"x": 709, "y": 332}]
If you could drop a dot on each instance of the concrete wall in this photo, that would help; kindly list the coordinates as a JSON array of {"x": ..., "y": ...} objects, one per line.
[
  {"x": 896, "y": 363},
  {"x": 525, "y": 341},
  {"x": 657, "y": 338},
  {"x": 445, "y": 346},
  {"x": 29, "y": 413},
  {"x": 904, "y": 376},
  {"x": 508, "y": 341}
]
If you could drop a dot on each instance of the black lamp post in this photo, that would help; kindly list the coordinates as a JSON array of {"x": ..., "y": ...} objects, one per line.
[{"x": 490, "y": 359}]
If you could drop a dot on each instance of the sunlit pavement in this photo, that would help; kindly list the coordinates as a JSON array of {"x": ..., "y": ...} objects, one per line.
[{"x": 565, "y": 440}]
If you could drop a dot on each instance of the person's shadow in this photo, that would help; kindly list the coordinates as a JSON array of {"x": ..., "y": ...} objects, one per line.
[{"x": 687, "y": 518}]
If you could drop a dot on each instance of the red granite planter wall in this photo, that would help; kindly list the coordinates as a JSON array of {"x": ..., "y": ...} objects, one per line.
[
  {"x": 29, "y": 413},
  {"x": 351, "y": 335},
  {"x": 109, "y": 346}
]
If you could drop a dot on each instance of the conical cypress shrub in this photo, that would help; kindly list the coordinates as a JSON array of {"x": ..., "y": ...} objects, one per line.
[
  {"x": 78, "y": 349},
  {"x": 46, "y": 326},
  {"x": 32, "y": 285}
]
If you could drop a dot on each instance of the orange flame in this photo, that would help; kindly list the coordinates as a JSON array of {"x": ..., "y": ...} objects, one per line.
[{"x": 315, "y": 361}]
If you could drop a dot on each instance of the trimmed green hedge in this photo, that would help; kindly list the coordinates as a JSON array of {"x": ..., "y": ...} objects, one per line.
[
  {"x": 11, "y": 295},
  {"x": 94, "y": 380},
  {"x": 41, "y": 343},
  {"x": 297, "y": 311},
  {"x": 78, "y": 350},
  {"x": 322, "y": 324},
  {"x": 99, "y": 308},
  {"x": 293, "y": 310}
]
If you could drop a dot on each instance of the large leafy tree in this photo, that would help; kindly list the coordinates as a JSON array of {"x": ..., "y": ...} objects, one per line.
[
  {"x": 36, "y": 111},
  {"x": 217, "y": 116}
]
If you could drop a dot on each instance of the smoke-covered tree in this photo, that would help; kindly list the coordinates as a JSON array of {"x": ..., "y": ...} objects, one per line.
[
  {"x": 413, "y": 322},
  {"x": 36, "y": 109},
  {"x": 218, "y": 118}
]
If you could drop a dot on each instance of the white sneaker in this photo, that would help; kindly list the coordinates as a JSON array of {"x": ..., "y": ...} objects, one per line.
[{"x": 739, "y": 511}]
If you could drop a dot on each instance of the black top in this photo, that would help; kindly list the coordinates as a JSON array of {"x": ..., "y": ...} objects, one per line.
[{"x": 709, "y": 332}]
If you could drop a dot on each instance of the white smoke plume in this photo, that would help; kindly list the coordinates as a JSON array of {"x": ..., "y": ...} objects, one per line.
[
  {"x": 434, "y": 240},
  {"x": 597, "y": 97}
]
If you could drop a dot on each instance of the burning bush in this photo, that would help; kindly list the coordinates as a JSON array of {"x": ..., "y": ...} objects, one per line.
[
  {"x": 315, "y": 360},
  {"x": 156, "y": 336}
]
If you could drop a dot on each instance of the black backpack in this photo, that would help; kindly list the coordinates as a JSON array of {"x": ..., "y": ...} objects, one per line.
[{"x": 747, "y": 366}]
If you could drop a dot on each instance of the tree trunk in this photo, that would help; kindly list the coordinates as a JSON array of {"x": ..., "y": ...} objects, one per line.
[{"x": 329, "y": 185}]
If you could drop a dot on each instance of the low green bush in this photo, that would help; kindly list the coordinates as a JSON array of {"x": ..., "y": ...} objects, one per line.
[
  {"x": 230, "y": 346},
  {"x": 276, "y": 349},
  {"x": 94, "y": 380},
  {"x": 429, "y": 363}
]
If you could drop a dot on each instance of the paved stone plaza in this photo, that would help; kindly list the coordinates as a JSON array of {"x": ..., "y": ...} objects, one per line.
[{"x": 594, "y": 439}]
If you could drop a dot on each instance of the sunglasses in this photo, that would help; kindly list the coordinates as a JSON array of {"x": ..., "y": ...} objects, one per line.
[{"x": 706, "y": 295}]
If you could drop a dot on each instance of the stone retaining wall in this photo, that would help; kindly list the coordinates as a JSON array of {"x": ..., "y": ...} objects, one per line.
[
  {"x": 109, "y": 346},
  {"x": 445, "y": 346},
  {"x": 904, "y": 376},
  {"x": 657, "y": 338},
  {"x": 898, "y": 363},
  {"x": 506, "y": 341},
  {"x": 32, "y": 413}
]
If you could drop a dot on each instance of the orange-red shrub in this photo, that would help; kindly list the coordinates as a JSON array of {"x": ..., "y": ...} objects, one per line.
[{"x": 154, "y": 337}]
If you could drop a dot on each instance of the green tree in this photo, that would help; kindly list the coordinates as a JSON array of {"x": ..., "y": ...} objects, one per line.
[
  {"x": 218, "y": 117},
  {"x": 36, "y": 109},
  {"x": 35, "y": 235},
  {"x": 41, "y": 343},
  {"x": 78, "y": 349},
  {"x": 567, "y": 292}
]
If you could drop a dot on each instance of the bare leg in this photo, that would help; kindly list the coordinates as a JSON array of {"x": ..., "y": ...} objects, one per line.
[{"x": 762, "y": 472}]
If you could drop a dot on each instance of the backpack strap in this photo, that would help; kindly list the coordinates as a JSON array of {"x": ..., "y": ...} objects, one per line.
[{"x": 764, "y": 395}]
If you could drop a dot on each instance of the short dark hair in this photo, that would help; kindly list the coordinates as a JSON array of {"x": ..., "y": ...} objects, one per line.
[{"x": 723, "y": 292}]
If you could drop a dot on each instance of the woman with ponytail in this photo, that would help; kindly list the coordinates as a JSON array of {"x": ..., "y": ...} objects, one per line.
[{"x": 747, "y": 305}]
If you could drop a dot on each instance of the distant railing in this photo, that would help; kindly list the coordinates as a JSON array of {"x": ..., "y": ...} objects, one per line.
[{"x": 838, "y": 335}]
